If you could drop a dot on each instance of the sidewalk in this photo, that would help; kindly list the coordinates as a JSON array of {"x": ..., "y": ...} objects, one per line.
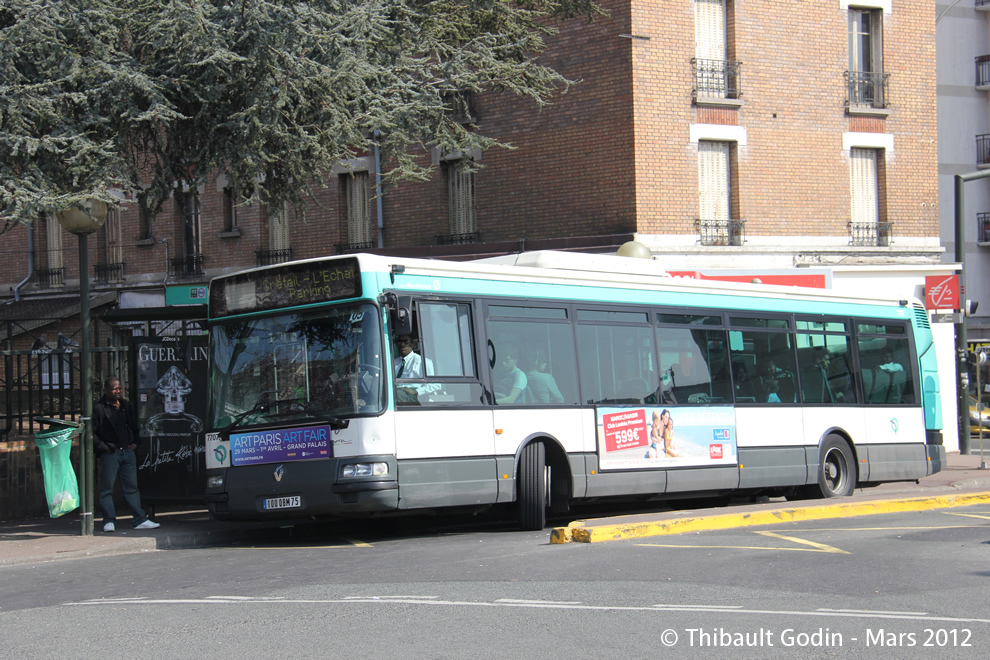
[{"x": 44, "y": 539}]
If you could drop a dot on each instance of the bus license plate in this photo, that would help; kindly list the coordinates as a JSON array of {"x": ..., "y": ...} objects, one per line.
[{"x": 282, "y": 503}]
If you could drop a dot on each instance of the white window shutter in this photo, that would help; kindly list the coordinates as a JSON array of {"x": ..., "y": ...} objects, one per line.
[
  {"x": 53, "y": 235},
  {"x": 358, "y": 209},
  {"x": 713, "y": 180},
  {"x": 278, "y": 229},
  {"x": 709, "y": 29},
  {"x": 863, "y": 185},
  {"x": 460, "y": 195}
]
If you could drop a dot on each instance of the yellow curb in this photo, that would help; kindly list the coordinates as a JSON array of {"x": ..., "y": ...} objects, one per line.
[{"x": 580, "y": 532}]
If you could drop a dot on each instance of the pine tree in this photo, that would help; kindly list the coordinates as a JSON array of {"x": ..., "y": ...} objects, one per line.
[{"x": 115, "y": 99}]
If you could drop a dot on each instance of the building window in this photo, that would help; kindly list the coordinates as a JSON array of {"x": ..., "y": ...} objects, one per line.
[
  {"x": 715, "y": 195},
  {"x": 715, "y": 75},
  {"x": 463, "y": 221},
  {"x": 191, "y": 244},
  {"x": 110, "y": 268},
  {"x": 866, "y": 80},
  {"x": 190, "y": 262},
  {"x": 145, "y": 230},
  {"x": 278, "y": 250},
  {"x": 53, "y": 275},
  {"x": 358, "y": 209},
  {"x": 229, "y": 212},
  {"x": 278, "y": 229},
  {"x": 867, "y": 226}
]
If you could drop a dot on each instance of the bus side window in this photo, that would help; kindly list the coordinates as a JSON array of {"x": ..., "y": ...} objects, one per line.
[{"x": 446, "y": 345}]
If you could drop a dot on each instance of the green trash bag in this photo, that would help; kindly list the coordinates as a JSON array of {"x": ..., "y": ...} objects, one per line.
[{"x": 61, "y": 487}]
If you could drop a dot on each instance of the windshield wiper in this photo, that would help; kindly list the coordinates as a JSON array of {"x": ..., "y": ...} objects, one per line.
[
  {"x": 297, "y": 405},
  {"x": 261, "y": 406}
]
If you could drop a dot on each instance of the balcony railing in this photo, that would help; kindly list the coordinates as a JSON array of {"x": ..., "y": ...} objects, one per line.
[
  {"x": 870, "y": 234},
  {"x": 187, "y": 266},
  {"x": 983, "y": 71},
  {"x": 51, "y": 278},
  {"x": 716, "y": 78},
  {"x": 458, "y": 239},
  {"x": 721, "y": 232},
  {"x": 983, "y": 3},
  {"x": 272, "y": 257},
  {"x": 983, "y": 149},
  {"x": 983, "y": 224},
  {"x": 106, "y": 273},
  {"x": 344, "y": 248},
  {"x": 867, "y": 89}
]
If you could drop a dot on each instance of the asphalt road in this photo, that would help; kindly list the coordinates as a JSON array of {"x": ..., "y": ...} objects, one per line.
[{"x": 907, "y": 585}]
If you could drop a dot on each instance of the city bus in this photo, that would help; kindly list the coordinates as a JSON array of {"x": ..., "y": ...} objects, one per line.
[{"x": 366, "y": 385}]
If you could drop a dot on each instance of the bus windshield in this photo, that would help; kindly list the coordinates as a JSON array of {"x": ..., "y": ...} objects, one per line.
[{"x": 297, "y": 366}]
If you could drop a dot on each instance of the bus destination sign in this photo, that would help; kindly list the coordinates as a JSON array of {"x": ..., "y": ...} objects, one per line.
[{"x": 285, "y": 286}]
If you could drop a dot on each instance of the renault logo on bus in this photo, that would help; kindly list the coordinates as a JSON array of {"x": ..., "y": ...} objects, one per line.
[{"x": 278, "y": 473}]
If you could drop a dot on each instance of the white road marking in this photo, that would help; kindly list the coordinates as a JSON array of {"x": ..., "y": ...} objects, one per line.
[{"x": 372, "y": 600}]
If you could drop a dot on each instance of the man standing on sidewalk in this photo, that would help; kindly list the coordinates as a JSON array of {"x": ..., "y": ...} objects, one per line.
[{"x": 115, "y": 437}]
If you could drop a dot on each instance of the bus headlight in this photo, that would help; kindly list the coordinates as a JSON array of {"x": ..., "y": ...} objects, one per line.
[
  {"x": 215, "y": 481},
  {"x": 364, "y": 470}
]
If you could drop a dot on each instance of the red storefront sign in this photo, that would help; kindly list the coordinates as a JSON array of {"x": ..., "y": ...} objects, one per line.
[{"x": 942, "y": 292}]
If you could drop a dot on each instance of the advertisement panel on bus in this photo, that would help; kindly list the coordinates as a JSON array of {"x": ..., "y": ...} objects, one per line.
[{"x": 663, "y": 437}]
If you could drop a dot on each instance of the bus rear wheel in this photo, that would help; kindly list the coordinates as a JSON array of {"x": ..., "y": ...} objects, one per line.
[
  {"x": 532, "y": 487},
  {"x": 836, "y": 468}
]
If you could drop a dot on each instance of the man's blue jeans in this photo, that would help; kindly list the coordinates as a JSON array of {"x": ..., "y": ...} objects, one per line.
[{"x": 120, "y": 463}]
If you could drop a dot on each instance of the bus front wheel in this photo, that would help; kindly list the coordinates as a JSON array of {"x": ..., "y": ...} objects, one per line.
[
  {"x": 836, "y": 468},
  {"x": 532, "y": 487}
]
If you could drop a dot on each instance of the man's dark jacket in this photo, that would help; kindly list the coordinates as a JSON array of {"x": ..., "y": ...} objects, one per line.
[{"x": 114, "y": 428}]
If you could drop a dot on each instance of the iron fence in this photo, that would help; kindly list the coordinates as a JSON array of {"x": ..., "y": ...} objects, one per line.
[
  {"x": 343, "y": 248},
  {"x": 870, "y": 234},
  {"x": 106, "y": 273},
  {"x": 48, "y": 384},
  {"x": 272, "y": 257},
  {"x": 721, "y": 232},
  {"x": 716, "y": 78},
  {"x": 458, "y": 239},
  {"x": 51, "y": 278},
  {"x": 867, "y": 89},
  {"x": 188, "y": 265},
  {"x": 983, "y": 226}
]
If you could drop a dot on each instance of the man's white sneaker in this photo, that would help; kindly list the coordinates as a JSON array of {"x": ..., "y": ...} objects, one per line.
[
  {"x": 147, "y": 524},
  {"x": 108, "y": 527}
]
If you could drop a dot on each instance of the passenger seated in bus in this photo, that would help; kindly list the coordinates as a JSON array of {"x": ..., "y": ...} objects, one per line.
[
  {"x": 542, "y": 386},
  {"x": 887, "y": 363},
  {"x": 409, "y": 366},
  {"x": 743, "y": 384},
  {"x": 773, "y": 386},
  {"x": 668, "y": 381},
  {"x": 512, "y": 382}
]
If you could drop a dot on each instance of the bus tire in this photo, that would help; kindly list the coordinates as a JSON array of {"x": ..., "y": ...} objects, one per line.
[
  {"x": 836, "y": 468},
  {"x": 532, "y": 489}
]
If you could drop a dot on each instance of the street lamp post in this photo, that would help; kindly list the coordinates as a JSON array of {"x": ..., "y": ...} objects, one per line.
[{"x": 82, "y": 220}]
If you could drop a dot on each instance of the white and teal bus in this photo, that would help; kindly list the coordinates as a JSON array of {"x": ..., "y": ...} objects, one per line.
[{"x": 366, "y": 385}]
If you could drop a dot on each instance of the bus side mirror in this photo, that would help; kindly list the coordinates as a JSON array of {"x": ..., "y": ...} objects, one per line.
[
  {"x": 402, "y": 316},
  {"x": 400, "y": 312}
]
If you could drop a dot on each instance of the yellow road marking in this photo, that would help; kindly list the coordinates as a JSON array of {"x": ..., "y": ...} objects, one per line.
[
  {"x": 814, "y": 547},
  {"x": 731, "y": 547},
  {"x": 350, "y": 543},
  {"x": 793, "y": 539},
  {"x": 968, "y": 515}
]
